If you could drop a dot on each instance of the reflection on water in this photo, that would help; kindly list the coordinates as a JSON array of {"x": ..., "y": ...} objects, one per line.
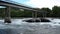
[{"x": 19, "y": 27}]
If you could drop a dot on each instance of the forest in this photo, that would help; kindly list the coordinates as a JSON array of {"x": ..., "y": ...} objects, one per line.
[{"x": 54, "y": 12}]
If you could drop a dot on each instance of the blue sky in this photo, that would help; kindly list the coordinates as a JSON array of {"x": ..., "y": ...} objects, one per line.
[{"x": 21, "y": 1}]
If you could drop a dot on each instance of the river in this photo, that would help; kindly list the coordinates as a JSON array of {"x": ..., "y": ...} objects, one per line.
[{"x": 19, "y": 26}]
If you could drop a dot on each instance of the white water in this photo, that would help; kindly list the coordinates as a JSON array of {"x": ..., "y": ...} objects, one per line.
[{"x": 18, "y": 26}]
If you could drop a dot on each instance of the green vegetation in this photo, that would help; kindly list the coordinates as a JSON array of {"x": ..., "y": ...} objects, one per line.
[{"x": 55, "y": 12}]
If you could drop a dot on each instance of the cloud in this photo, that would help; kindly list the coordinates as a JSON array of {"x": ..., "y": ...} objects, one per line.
[{"x": 43, "y": 3}]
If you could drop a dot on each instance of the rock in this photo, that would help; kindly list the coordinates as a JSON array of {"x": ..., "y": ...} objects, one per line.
[
  {"x": 38, "y": 20},
  {"x": 45, "y": 20}
]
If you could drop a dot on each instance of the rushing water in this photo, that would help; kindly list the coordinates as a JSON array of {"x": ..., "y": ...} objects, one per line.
[{"x": 18, "y": 26}]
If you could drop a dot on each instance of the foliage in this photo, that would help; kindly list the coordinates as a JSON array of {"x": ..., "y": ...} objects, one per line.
[{"x": 55, "y": 12}]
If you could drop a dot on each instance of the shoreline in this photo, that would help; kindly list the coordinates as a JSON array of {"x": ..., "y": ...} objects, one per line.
[{"x": 31, "y": 17}]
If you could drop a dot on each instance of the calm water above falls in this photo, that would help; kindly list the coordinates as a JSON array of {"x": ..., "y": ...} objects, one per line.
[{"x": 18, "y": 26}]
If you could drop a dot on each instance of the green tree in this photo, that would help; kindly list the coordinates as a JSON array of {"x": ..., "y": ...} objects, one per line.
[
  {"x": 56, "y": 11},
  {"x": 47, "y": 11},
  {"x": 2, "y": 12}
]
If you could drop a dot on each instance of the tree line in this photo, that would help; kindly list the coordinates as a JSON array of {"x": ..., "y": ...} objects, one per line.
[{"x": 55, "y": 12}]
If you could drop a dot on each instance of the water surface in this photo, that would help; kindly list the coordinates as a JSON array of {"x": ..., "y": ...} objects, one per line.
[{"x": 18, "y": 26}]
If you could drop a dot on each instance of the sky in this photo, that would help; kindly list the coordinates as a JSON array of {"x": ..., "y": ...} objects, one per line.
[{"x": 39, "y": 3}]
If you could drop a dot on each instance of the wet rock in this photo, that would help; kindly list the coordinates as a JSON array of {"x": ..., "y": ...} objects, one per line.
[
  {"x": 7, "y": 22},
  {"x": 38, "y": 20},
  {"x": 31, "y": 20},
  {"x": 45, "y": 20}
]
